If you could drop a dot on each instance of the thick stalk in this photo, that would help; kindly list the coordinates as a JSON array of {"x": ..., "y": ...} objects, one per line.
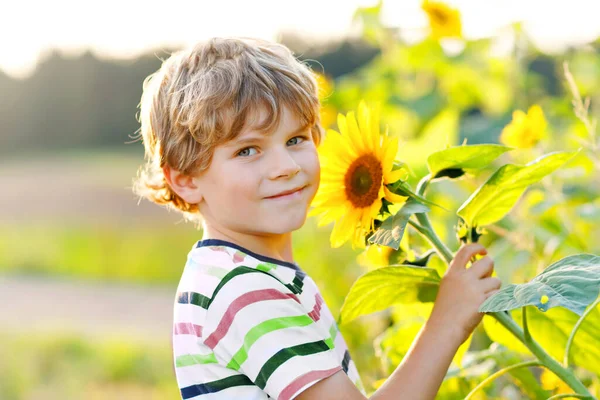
[
  {"x": 502, "y": 317},
  {"x": 526, "y": 334},
  {"x": 423, "y": 219}
]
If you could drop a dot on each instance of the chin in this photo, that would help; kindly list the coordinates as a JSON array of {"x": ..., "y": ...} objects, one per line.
[{"x": 290, "y": 224}]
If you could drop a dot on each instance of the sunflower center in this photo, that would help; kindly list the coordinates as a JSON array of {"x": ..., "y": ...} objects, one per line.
[{"x": 363, "y": 180}]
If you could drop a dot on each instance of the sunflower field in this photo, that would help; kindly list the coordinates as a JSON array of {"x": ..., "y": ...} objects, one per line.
[{"x": 448, "y": 141}]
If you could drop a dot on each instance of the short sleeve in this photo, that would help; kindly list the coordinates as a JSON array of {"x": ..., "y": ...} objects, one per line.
[{"x": 257, "y": 326}]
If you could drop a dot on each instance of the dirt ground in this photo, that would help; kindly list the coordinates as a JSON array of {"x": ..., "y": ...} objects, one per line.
[{"x": 94, "y": 310}]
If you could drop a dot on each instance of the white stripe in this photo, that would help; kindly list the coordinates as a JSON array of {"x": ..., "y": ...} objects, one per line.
[
  {"x": 297, "y": 366},
  {"x": 189, "y": 313},
  {"x": 188, "y": 344}
]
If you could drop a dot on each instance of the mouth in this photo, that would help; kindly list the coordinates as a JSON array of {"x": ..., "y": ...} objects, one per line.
[{"x": 287, "y": 193}]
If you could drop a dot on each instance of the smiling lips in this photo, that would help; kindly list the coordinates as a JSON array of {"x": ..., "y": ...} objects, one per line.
[{"x": 287, "y": 193}]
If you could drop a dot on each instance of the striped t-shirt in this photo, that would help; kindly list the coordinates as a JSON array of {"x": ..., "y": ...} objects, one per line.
[{"x": 248, "y": 326}]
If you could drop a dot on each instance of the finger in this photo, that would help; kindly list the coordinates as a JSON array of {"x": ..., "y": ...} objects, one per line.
[
  {"x": 490, "y": 284},
  {"x": 464, "y": 254},
  {"x": 482, "y": 268}
]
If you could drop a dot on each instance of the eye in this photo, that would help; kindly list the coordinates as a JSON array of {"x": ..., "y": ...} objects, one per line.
[
  {"x": 296, "y": 140},
  {"x": 248, "y": 151}
]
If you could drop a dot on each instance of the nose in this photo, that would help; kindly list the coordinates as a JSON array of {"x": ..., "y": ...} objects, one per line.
[{"x": 283, "y": 165}]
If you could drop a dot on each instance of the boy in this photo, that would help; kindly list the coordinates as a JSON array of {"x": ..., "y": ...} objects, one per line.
[{"x": 230, "y": 128}]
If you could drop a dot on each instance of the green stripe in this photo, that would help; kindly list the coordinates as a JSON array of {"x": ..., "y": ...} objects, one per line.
[
  {"x": 263, "y": 328},
  {"x": 193, "y": 359},
  {"x": 199, "y": 300},
  {"x": 298, "y": 282},
  {"x": 241, "y": 270},
  {"x": 266, "y": 267},
  {"x": 333, "y": 331},
  {"x": 236, "y": 380},
  {"x": 285, "y": 354}
]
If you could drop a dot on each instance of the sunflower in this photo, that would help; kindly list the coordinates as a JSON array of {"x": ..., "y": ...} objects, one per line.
[
  {"x": 356, "y": 165},
  {"x": 525, "y": 130},
  {"x": 444, "y": 21}
]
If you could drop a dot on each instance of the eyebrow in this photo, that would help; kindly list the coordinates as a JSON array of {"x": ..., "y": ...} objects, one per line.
[{"x": 256, "y": 138}]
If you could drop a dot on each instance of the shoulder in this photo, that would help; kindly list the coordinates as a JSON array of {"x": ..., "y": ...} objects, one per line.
[{"x": 216, "y": 264}]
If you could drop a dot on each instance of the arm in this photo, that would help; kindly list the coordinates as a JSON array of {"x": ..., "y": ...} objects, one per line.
[{"x": 454, "y": 316}]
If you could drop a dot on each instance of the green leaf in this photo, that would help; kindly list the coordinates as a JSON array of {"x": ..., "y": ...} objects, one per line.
[
  {"x": 447, "y": 162},
  {"x": 392, "y": 229},
  {"x": 551, "y": 330},
  {"x": 496, "y": 197},
  {"x": 573, "y": 283},
  {"x": 379, "y": 289}
]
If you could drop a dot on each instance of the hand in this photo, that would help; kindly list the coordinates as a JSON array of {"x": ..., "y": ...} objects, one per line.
[{"x": 462, "y": 291}]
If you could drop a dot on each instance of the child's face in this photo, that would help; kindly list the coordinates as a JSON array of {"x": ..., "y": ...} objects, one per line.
[{"x": 241, "y": 186}]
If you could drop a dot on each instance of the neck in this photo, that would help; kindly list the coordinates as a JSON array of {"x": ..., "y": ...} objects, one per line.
[{"x": 278, "y": 246}]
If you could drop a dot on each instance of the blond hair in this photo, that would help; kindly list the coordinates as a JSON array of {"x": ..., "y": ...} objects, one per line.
[{"x": 203, "y": 96}]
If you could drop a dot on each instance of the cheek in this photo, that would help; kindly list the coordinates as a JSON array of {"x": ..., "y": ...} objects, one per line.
[
  {"x": 231, "y": 185},
  {"x": 315, "y": 168}
]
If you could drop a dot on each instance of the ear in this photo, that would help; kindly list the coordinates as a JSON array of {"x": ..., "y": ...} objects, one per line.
[{"x": 185, "y": 186}]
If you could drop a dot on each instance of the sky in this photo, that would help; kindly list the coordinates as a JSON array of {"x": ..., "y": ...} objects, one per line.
[{"x": 126, "y": 28}]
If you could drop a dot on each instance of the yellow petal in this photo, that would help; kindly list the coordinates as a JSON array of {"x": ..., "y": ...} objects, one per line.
[
  {"x": 394, "y": 176},
  {"x": 354, "y": 133},
  {"x": 364, "y": 125},
  {"x": 344, "y": 228},
  {"x": 390, "y": 154},
  {"x": 375, "y": 131},
  {"x": 332, "y": 214},
  {"x": 374, "y": 211},
  {"x": 393, "y": 197},
  {"x": 332, "y": 198},
  {"x": 340, "y": 146}
]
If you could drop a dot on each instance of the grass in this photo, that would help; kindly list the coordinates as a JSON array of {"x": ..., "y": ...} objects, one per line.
[
  {"x": 63, "y": 366},
  {"x": 100, "y": 251}
]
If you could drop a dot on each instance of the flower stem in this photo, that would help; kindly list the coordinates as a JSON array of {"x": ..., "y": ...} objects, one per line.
[
  {"x": 526, "y": 334},
  {"x": 501, "y": 372},
  {"x": 574, "y": 331},
  {"x": 423, "y": 219},
  {"x": 565, "y": 374},
  {"x": 503, "y": 317}
]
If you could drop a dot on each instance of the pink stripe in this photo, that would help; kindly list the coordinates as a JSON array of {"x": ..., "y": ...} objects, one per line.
[
  {"x": 304, "y": 380},
  {"x": 315, "y": 314},
  {"x": 183, "y": 328},
  {"x": 237, "y": 305}
]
